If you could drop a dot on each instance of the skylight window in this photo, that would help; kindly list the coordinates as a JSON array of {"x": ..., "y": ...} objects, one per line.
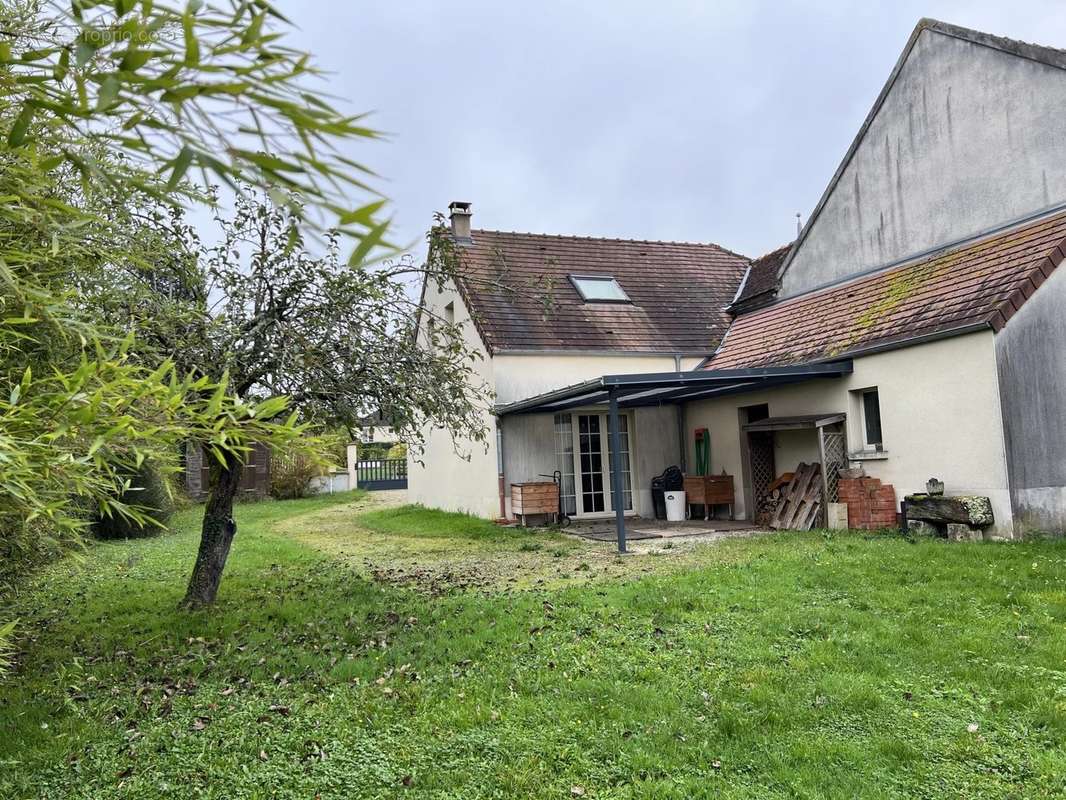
[{"x": 599, "y": 289}]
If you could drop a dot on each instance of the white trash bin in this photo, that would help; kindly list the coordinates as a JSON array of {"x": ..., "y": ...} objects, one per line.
[{"x": 675, "y": 506}]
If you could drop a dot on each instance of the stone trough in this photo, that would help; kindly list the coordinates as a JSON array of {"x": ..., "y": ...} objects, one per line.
[{"x": 960, "y": 518}]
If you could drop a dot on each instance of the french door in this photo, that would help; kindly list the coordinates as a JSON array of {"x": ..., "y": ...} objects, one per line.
[{"x": 582, "y": 451}]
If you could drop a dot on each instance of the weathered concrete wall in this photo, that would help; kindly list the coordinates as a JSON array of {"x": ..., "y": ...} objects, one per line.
[
  {"x": 528, "y": 449},
  {"x": 968, "y": 138},
  {"x": 657, "y": 447},
  {"x": 940, "y": 416},
  {"x": 1031, "y": 355}
]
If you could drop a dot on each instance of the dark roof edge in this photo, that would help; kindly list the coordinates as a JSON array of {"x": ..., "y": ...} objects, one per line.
[
  {"x": 731, "y": 308},
  {"x": 639, "y": 382},
  {"x": 615, "y": 239},
  {"x": 1045, "y": 55},
  {"x": 562, "y": 393}
]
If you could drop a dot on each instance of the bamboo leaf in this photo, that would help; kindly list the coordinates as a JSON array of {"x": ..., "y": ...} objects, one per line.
[
  {"x": 181, "y": 164},
  {"x": 16, "y": 137},
  {"x": 108, "y": 93},
  {"x": 84, "y": 50},
  {"x": 134, "y": 59},
  {"x": 369, "y": 241},
  {"x": 192, "y": 46}
]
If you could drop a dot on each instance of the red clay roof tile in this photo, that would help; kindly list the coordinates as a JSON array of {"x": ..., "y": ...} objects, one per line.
[
  {"x": 761, "y": 281},
  {"x": 517, "y": 288},
  {"x": 980, "y": 283}
]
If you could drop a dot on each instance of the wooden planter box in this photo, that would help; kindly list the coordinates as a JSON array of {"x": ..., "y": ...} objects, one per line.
[
  {"x": 537, "y": 497},
  {"x": 708, "y": 491}
]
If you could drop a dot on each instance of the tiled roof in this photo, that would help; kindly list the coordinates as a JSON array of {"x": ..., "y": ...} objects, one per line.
[
  {"x": 761, "y": 281},
  {"x": 981, "y": 283},
  {"x": 517, "y": 288}
]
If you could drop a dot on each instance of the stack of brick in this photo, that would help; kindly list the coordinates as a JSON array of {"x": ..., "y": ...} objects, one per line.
[{"x": 871, "y": 505}]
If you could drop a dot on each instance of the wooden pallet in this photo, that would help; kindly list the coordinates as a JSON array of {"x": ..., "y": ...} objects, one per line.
[{"x": 801, "y": 500}]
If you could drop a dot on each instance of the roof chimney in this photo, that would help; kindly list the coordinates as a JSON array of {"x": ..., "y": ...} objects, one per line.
[{"x": 459, "y": 213}]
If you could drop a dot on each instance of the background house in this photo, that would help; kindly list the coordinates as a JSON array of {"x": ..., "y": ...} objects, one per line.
[
  {"x": 255, "y": 481},
  {"x": 376, "y": 429}
]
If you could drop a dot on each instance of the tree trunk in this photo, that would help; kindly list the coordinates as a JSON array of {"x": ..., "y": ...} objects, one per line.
[{"x": 216, "y": 535}]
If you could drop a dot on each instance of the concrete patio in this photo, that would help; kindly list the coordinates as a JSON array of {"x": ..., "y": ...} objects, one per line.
[{"x": 637, "y": 528}]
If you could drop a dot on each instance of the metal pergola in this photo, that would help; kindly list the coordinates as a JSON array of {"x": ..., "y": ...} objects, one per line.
[{"x": 661, "y": 388}]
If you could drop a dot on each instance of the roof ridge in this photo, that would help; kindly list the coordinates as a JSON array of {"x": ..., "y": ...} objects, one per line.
[
  {"x": 774, "y": 252},
  {"x": 1045, "y": 54},
  {"x": 586, "y": 238}
]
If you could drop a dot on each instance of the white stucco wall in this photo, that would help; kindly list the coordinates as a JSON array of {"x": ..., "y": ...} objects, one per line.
[
  {"x": 456, "y": 476},
  {"x": 520, "y": 376},
  {"x": 468, "y": 480},
  {"x": 528, "y": 450},
  {"x": 940, "y": 416},
  {"x": 657, "y": 447}
]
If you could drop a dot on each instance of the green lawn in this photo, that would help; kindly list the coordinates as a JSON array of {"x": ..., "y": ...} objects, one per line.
[{"x": 358, "y": 653}]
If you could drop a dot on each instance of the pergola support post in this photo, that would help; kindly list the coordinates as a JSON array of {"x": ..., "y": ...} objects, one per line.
[{"x": 617, "y": 489}]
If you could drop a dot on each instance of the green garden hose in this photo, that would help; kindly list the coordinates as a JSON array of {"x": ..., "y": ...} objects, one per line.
[{"x": 703, "y": 451}]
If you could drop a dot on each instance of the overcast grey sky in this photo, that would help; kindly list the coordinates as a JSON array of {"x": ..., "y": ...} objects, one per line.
[{"x": 693, "y": 121}]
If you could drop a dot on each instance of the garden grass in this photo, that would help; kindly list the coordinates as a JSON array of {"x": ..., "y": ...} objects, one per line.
[{"x": 373, "y": 652}]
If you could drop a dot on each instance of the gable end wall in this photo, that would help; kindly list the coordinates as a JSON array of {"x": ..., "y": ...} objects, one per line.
[{"x": 967, "y": 138}]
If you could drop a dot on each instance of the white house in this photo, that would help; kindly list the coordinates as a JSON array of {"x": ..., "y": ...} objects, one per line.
[
  {"x": 915, "y": 327},
  {"x": 551, "y": 311}
]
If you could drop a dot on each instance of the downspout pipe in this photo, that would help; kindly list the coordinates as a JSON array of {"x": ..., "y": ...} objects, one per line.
[
  {"x": 499, "y": 468},
  {"x": 682, "y": 441}
]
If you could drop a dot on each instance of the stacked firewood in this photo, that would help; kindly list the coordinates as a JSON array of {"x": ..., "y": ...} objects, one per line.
[
  {"x": 792, "y": 501},
  {"x": 766, "y": 505}
]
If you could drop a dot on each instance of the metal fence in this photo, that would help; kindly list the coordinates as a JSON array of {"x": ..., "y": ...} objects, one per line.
[{"x": 385, "y": 473}]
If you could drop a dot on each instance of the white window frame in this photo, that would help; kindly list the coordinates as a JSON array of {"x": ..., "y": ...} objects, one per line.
[
  {"x": 870, "y": 450},
  {"x": 577, "y": 281},
  {"x": 564, "y": 435},
  {"x": 605, "y": 442}
]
